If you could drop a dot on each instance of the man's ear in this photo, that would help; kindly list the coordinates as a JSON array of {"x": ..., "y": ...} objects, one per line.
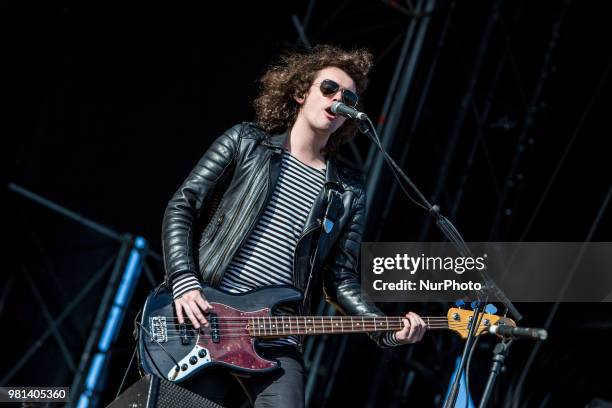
[{"x": 300, "y": 98}]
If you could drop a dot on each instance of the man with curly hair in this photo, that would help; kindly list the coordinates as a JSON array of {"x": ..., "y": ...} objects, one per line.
[{"x": 289, "y": 213}]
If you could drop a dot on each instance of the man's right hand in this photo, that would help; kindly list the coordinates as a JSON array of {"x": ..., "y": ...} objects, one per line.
[{"x": 195, "y": 306}]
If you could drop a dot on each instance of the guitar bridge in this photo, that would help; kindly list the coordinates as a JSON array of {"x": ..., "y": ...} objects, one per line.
[{"x": 159, "y": 330}]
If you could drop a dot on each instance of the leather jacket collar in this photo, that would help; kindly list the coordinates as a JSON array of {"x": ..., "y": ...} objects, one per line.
[{"x": 332, "y": 178}]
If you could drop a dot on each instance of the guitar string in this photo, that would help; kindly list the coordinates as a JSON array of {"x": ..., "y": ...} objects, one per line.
[
  {"x": 303, "y": 321},
  {"x": 308, "y": 320},
  {"x": 282, "y": 333},
  {"x": 305, "y": 324},
  {"x": 248, "y": 335},
  {"x": 318, "y": 320},
  {"x": 294, "y": 324},
  {"x": 294, "y": 332},
  {"x": 297, "y": 331},
  {"x": 270, "y": 330},
  {"x": 227, "y": 332},
  {"x": 256, "y": 334},
  {"x": 315, "y": 317},
  {"x": 234, "y": 327},
  {"x": 256, "y": 324}
]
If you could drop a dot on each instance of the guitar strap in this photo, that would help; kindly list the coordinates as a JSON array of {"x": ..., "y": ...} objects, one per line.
[{"x": 332, "y": 213}]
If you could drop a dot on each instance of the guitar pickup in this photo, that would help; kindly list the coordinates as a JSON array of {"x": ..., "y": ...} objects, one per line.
[
  {"x": 183, "y": 334},
  {"x": 214, "y": 327}
]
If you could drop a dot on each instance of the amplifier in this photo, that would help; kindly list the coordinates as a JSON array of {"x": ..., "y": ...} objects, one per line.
[{"x": 154, "y": 392}]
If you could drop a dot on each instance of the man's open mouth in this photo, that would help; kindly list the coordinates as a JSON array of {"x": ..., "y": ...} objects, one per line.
[{"x": 329, "y": 111}]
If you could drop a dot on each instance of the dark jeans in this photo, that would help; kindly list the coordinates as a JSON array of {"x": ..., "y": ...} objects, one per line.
[{"x": 283, "y": 387}]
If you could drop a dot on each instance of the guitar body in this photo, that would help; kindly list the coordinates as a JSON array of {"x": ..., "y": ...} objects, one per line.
[{"x": 226, "y": 341}]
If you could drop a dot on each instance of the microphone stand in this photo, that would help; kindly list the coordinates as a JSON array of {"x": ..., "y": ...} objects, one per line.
[
  {"x": 448, "y": 229},
  {"x": 500, "y": 352}
]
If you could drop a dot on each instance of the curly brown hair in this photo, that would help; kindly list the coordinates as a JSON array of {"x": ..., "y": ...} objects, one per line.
[{"x": 275, "y": 107}]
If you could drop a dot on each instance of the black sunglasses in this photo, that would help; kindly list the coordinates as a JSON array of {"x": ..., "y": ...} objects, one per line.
[{"x": 329, "y": 87}]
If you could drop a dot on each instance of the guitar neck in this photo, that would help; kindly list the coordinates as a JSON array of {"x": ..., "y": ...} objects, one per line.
[{"x": 274, "y": 326}]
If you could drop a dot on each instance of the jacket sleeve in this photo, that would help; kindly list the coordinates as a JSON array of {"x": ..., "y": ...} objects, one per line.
[
  {"x": 183, "y": 210},
  {"x": 342, "y": 284}
]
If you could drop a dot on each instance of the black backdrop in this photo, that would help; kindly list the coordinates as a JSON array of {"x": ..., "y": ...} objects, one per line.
[{"x": 111, "y": 104}]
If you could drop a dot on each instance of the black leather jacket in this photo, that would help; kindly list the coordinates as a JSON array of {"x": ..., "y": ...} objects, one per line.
[{"x": 244, "y": 162}]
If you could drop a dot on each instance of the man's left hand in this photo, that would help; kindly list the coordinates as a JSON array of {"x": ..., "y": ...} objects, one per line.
[{"x": 413, "y": 331}]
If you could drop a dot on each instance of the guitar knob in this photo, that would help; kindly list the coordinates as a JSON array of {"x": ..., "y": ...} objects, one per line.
[
  {"x": 202, "y": 353},
  {"x": 193, "y": 360},
  {"x": 456, "y": 316},
  {"x": 184, "y": 367}
]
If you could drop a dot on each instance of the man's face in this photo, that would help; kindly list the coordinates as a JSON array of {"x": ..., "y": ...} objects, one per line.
[{"x": 316, "y": 106}]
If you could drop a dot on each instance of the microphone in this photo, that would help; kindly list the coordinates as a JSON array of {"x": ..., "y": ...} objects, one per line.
[
  {"x": 519, "y": 332},
  {"x": 338, "y": 108}
]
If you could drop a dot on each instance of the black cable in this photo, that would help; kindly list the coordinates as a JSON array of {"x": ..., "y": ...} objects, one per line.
[
  {"x": 467, "y": 371},
  {"x": 178, "y": 367},
  {"x": 395, "y": 169},
  {"x": 127, "y": 370}
]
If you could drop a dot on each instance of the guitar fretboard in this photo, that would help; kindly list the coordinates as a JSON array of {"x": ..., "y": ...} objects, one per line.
[{"x": 274, "y": 326}]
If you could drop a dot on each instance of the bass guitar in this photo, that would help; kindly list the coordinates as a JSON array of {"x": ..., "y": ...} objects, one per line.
[{"x": 176, "y": 351}]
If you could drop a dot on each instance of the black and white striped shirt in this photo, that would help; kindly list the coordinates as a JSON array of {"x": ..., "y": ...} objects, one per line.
[{"x": 266, "y": 257}]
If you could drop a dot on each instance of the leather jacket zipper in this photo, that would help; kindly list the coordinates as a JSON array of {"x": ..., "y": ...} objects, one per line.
[
  {"x": 261, "y": 210},
  {"x": 216, "y": 273},
  {"x": 215, "y": 228}
]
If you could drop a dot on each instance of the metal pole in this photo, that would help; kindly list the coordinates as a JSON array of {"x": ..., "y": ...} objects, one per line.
[
  {"x": 5, "y": 291},
  {"x": 390, "y": 127},
  {"x": 103, "y": 230},
  {"x": 415, "y": 122},
  {"x": 395, "y": 106},
  {"x": 528, "y": 121},
  {"x": 516, "y": 395},
  {"x": 481, "y": 119},
  {"x": 65, "y": 212},
  {"x": 393, "y": 84},
  {"x": 121, "y": 298},
  {"x": 47, "y": 315},
  {"x": 301, "y": 33},
  {"x": 456, "y": 131},
  {"x": 99, "y": 319},
  {"x": 41, "y": 339}
]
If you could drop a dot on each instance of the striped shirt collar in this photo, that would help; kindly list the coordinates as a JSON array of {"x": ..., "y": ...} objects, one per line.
[{"x": 277, "y": 141}]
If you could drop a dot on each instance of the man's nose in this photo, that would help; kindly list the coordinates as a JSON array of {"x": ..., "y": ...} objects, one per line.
[{"x": 337, "y": 96}]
